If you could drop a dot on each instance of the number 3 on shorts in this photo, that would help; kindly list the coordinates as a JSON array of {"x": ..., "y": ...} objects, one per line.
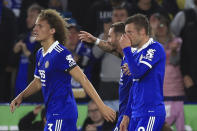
[
  {"x": 50, "y": 126},
  {"x": 58, "y": 125}
]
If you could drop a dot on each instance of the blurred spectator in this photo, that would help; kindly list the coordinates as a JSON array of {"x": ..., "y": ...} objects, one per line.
[
  {"x": 25, "y": 4},
  {"x": 106, "y": 25},
  {"x": 173, "y": 81},
  {"x": 28, "y": 123},
  {"x": 110, "y": 65},
  {"x": 147, "y": 7},
  {"x": 79, "y": 9},
  {"x": 185, "y": 26},
  {"x": 82, "y": 54},
  {"x": 95, "y": 120},
  {"x": 7, "y": 39},
  {"x": 14, "y": 5},
  {"x": 60, "y": 6},
  {"x": 26, "y": 47},
  {"x": 174, "y": 6},
  {"x": 99, "y": 11}
]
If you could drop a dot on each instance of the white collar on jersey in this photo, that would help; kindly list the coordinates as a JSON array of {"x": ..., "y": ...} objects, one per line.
[
  {"x": 150, "y": 41},
  {"x": 50, "y": 48}
]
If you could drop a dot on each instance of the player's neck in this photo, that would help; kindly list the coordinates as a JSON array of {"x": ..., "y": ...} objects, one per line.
[
  {"x": 144, "y": 41},
  {"x": 47, "y": 43}
]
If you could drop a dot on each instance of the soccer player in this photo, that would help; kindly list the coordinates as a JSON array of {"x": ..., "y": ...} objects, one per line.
[
  {"x": 147, "y": 66},
  {"x": 112, "y": 46},
  {"x": 54, "y": 68}
]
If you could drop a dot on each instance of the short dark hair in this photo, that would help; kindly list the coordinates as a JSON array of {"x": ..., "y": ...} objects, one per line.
[
  {"x": 140, "y": 21},
  {"x": 118, "y": 27}
]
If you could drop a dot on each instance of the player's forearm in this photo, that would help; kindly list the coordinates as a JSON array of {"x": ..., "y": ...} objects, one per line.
[
  {"x": 79, "y": 76},
  {"x": 104, "y": 45},
  {"x": 137, "y": 70},
  {"x": 89, "y": 89},
  {"x": 32, "y": 88}
]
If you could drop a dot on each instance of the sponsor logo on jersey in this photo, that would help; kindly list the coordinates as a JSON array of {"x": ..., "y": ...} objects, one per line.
[
  {"x": 149, "y": 55},
  {"x": 70, "y": 60}
]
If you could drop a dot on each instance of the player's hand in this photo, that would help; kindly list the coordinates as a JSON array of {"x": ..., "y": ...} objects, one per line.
[
  {"x": 87, "y": 37},
  {"x": 108, "y": 113},
  {"x": 16, "y": 103},
  {"x": 124, "y": 123},
  {"x": 37, "y": 109},
  {"x": 125, "y": 69},
  {"x": 124, "y": 41}
]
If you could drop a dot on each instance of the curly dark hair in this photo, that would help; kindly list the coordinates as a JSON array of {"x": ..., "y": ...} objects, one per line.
[{"x": 56, "y": 21}]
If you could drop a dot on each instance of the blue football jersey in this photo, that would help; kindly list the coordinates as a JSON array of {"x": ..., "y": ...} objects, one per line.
[
  {"x": 52, "y": 68},
  {"x": 125, "y": 84},
  {"x": 147, "y": 66}
]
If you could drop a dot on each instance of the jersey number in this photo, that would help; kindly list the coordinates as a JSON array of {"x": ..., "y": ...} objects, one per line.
[
  {"x": 42, "y": 74},
  {"x": 50, "y": 126},
  {"x": 58, "y": 125}
]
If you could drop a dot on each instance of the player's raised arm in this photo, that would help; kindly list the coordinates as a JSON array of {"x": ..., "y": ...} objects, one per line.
[
  {"x": 104, "y": 45},
  {"x": 32, "y": 88},
  {"x": 78, "y": 75}
]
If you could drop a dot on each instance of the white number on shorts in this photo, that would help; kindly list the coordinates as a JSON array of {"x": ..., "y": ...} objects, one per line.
[
  {"x": 58, "y": 125},
  {"x": 50, "y": 126}
]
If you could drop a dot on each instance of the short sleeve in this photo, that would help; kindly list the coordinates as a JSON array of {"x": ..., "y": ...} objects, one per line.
[{"x": 65, "y": 61}]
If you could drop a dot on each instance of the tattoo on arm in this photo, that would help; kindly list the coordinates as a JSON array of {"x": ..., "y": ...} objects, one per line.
[{"x": 104, "y": 45}]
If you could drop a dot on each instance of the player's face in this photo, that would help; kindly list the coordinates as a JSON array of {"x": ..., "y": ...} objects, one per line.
[
  {"x": 94, "y": 113},
  {"x": 42, "y": 30},
  {"x": 119, "y": 15},
  {"x": 112, "y": 37},
  {"x": 133, "y": 34}
]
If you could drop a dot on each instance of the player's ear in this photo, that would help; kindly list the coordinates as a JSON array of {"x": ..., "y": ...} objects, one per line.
[
  {"x": 52, "y": 30},
  {"x": 142, "y": 31}
]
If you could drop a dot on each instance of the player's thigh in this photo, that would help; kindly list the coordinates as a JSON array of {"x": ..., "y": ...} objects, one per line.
[
  {"x": 151, "y": 123},
  {"x": 58, "y": 124}
]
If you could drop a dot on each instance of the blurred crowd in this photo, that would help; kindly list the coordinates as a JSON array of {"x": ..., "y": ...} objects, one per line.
[{"x": 173, "y": 24}]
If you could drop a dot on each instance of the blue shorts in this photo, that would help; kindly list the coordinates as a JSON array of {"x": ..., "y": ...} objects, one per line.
[
  {"x": 58, "y": 124},
  {"x": 118, "y": 123},
  {"x": 147, "y": 123}
]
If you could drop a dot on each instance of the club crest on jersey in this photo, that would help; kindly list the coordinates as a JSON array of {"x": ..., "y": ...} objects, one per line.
[{"x": 46, "y": 64}]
